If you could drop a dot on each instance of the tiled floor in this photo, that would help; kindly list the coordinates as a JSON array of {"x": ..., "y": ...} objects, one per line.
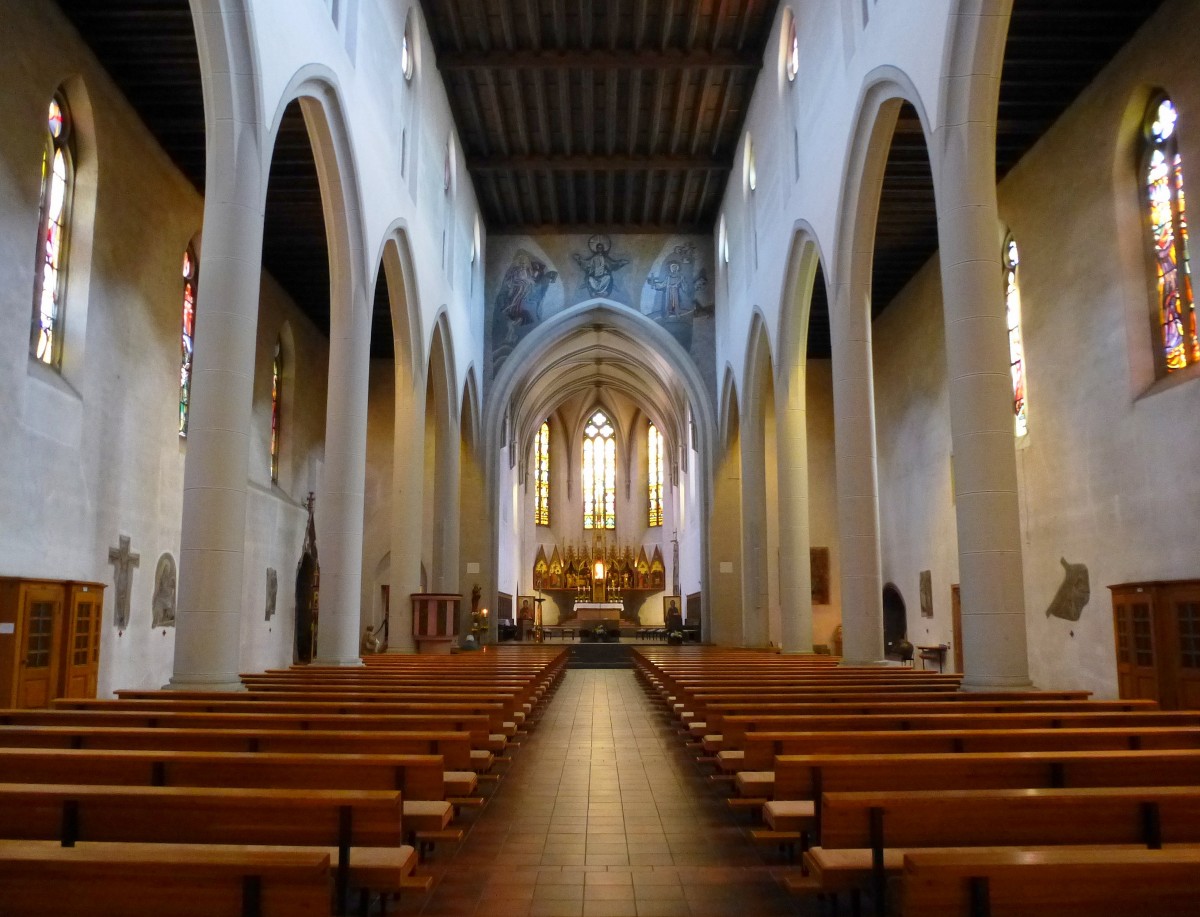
[{"x": 603, "y": 812}]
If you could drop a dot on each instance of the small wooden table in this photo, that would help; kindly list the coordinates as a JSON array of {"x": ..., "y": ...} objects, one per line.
[{"x": 933, "y": 654}]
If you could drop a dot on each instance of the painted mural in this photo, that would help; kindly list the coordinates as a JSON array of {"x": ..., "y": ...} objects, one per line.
[{"x": 666, "y": 278}]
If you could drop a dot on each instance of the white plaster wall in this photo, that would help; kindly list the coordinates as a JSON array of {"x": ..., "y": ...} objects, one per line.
[
  {"x": 85, "y": 459},
  {"x": 1097, "y": 470},
  {"x": 912, "y": 408}
]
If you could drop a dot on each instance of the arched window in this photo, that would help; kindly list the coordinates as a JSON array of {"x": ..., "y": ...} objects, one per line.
[
  {"x": 599, "y": 473},
  {"x": 791, "y": 47},
  {"x": 541, "y": 512},
  {"x": 58, "y": 174},
  {"x": 1016, "y": 345},
  {"x": 1168, "y": 228},
  {"x": 276, "y": 397},
  {"x": 191, "y": 271},
  {"x": 654, "y": 454}
]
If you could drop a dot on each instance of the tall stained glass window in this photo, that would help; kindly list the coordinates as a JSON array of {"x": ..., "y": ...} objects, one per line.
[
  {"x": 50, "y": 285},
  {"x": 1168, "y": 228},
  {"x": 599, "y": 473},
  {"x": 541, "y": 512},
  {"x": 187, "y": 337},
  {"x": 276, "y": 395},
  {"x": 1016, "y": 346},
  {"x": 654, "y": 453}
]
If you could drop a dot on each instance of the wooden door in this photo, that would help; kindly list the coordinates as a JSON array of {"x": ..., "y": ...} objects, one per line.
[
  {"x": 1137, "y": 650},
  {"x": 956, "y": 626},
  {"x": 1180, "y": 611},
  {"x": 81, "y": 640},
  {"x": 40, "y": 638}
]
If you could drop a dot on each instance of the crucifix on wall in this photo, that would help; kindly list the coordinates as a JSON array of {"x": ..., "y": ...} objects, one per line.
[{"x": 124, "y": 561}]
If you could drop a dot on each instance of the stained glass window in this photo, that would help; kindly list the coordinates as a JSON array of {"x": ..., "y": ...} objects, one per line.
[
  {"x": 57, "y": 180},
  {"x": 276, "y": 394},
  {"x": 541, "y": 513},
  {"x": 654, "y": 453},
  {"x": 1016, "y": 347},
  {"x": 1168, "y": 228},
  {"x": 599, "y": 473},
  {"x": 791, "y": 48},
  {"x": 187, "y": 337}
]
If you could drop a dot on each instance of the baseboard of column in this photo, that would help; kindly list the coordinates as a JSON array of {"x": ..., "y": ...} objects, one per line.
[
  {"x": 348, "y": 662},
  {"x": 214, "y": 683}
]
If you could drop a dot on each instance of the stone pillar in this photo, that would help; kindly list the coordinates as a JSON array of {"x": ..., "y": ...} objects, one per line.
[
  {"x": 408, "y": 489},
  {"x": 857, "y": 476},
  {"x": 981, "y": 413},
  {"x": 445, "y": 574},
  {"x": 472, "y": 529},
  {"x": 755, "y": 594},
  {"x": 209, "y": 613},
  {"x": 795, "y": 571},
  {"x": 339, "y": 511},
  {"x": 725, "y": 551}
]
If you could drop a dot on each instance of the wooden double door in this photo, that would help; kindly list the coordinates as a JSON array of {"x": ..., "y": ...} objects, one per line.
[
  {"x": 1157, "y": 627},
  {"x": 49, "y": 640}
]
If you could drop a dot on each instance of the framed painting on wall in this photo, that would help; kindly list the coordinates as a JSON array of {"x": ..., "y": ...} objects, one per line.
[{"x": 819, "y": 568}]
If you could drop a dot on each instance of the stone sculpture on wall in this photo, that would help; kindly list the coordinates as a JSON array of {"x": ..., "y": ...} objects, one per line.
[
  {"x": 272, "y": 591},
  {"x": 1073, "y": 593},
  {"x": 124, "y": 562},
  {"x": 163, "y": 606}
]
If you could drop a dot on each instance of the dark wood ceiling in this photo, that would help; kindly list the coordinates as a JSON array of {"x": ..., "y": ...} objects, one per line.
[
  {"x": 576, "y": 114},
  {"x": 622, "y": 114}
]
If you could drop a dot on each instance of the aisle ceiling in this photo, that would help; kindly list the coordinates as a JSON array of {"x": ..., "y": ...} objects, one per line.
[{"x": 578, "y": 114}]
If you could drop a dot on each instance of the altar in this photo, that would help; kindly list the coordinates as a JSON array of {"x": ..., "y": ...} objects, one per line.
[{"x": 597, "y": 612}]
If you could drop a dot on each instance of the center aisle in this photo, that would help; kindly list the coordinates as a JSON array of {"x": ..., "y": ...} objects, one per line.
[{"x": 603, "y": 812}]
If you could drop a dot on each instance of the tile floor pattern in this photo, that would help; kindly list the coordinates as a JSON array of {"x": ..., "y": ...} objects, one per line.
[{"x": 603, "y": 813}]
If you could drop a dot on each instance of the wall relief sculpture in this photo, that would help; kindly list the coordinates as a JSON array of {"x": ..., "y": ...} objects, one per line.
[{"x": 1073, "y": 593}]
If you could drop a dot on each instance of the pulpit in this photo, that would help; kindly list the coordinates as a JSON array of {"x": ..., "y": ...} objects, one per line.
[{"x": 435, "y": 620}]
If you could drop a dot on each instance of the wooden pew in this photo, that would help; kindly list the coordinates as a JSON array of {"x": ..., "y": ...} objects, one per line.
[
  {"x": 361, "y": 831},
  {"x": 1052, "y": 883},
  {"x": 163, "y": 717},
  {"x": 864, "y": 836},
  {"x": 183, "y": 882},
  {"x": 761, "y": 748},
  {"x": 246, "y": 703}
]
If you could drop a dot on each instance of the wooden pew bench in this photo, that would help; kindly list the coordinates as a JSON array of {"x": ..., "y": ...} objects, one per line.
[
  {"x": 1052, "y": 883},
  {"x": 756, "y": 775},
  {"x": 499, "y": 729},
  {"x": 864, "y": 836},
  {"x": 476, "y": 727},
  {"x": 418, "y": 777},
  {"x": 360, "y": 831}
]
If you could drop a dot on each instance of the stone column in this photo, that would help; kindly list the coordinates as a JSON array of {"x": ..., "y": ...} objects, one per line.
[
  {"x": 408, "y": 489},
  {"x": 473, "y": 540},
  {"x": 339, "y": 511},
  {"x": 795, "y": 572},
  {"x": 445, "y": 574},
  {"x": 725, "y": 551},
  {"x": 755, "y": 595},
  {"x": 209, "y": 613},
  {"x": 857, "y": 476},
  {"x": 981, "y": 413}
]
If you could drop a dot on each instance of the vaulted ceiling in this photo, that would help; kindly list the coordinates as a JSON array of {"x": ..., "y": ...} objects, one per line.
[{"x": 622, "y": 115}]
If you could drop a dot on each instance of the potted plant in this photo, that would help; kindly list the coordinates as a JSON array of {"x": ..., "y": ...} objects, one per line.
[{"x": 675, "y": 637}]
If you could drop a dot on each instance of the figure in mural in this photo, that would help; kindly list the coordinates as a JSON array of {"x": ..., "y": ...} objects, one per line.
[
  {"x": 163, "y": 606},
  {"x": 679, "y": 285},
  {"x": 1073, "y": 594},
  {"x": 519, "y": 300},
  {"x": 598, "y": 267}
]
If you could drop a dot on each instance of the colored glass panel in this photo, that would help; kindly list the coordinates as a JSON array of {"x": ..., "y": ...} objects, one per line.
[
  {"x": 599, "y": 473},
  {"x": 57, "y": 177},
  {"x": 1168, "y": 229},
  {"x": 187, "y": 339},
  {"x": 654, "y": 451},
  {"x": 276, "y": 392},
  {"x": 1016, "y": 347},
  {"x": 792, "y": 63},
  {"x": 542, "y": 508}
]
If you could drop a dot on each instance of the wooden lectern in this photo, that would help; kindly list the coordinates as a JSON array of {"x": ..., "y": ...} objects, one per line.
[{"x": 435, "y": 620}]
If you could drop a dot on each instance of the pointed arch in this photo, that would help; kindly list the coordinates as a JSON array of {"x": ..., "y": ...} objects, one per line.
[{"x": 395, "y": 259}]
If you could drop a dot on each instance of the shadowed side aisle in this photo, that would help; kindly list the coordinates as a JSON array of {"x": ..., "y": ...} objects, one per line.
[{"x": 604, "y": 813}]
